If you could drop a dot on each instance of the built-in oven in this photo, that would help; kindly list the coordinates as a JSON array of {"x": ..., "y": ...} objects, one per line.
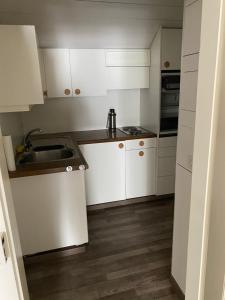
[{"x": 170, "y": 94}]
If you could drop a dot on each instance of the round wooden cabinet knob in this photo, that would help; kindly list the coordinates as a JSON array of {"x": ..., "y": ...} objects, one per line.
[
  {"x": 67, "y": 92},
  {"x": 141, "y": 153},
  {"x": 77, "y": 92},
  {"x": 141, "y": 143},
  {"x": 167, "y": 64},
  {"x": 121, "y": 145}
]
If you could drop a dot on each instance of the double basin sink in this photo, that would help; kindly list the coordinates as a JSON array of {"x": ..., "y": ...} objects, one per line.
[{"x": 44, "y": 150}]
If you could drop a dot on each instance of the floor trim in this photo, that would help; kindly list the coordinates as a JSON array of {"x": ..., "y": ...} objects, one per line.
[
  {"x": 127, "y": 202},
  {"x": 177, "y": 289}
]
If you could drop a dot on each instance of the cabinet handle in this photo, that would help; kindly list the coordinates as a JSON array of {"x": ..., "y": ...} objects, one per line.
[
  {"x": 77, "y": 92},
  {"x": 141, "y": 143},
  {"x": 45, "y": 93},
  {"x": 121, "y": 145},
  {"x": 67, "y": 92},
  {"x": 167, "y": 64},
  {"x": 141, "y": 153}
]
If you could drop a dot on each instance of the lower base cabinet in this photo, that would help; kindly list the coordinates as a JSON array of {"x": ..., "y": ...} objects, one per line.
[
  {"x": 51, "y": 211},
  {"x": 105, "y": 178},
  {"x": 140, "y": 172}
]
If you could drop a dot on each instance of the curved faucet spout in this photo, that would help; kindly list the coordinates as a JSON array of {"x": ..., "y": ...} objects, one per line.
[{"x": 26, "y": 141}]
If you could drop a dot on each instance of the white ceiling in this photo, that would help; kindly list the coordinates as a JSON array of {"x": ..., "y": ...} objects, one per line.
[{"x": 93, "y": 23}]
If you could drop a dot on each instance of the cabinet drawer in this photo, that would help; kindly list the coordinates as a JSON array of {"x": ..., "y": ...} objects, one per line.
[
  {"x": 140, "y": 144},
  {"x": 167, "y": 152},
  {"x": 166, "y": 166},
  {"x": 168, "y": 142},
  {"x": 165, "y": 185}
]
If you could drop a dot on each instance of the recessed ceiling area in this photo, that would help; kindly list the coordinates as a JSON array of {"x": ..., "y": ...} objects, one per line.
[{"x": 93, "y": 23}]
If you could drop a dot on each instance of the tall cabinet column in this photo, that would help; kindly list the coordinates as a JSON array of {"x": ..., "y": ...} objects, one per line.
[{"x": 186, "y": 132}]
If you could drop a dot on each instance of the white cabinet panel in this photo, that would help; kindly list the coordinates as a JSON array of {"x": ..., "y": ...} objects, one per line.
[
  {"x": 168, "y": 142},
  {"x": 192, "y": 28},
  {"x": 51, "y": 211},
  {"x": 57, "y": 71},
  {"x": 127, "y": 58},
  {"x": 181, "y": 225},
  {"x": 171, "y": 49},
  {"x": 88, "y": 72},
  {"x": 105, "y": 178},
  {"x": 128, "y": 78},
  {"x": 188, "y": 92},
  {"x": 140, "y": 143},
  {"x": 166, "y": 166},
  {"x": 190, "y": 63},
  {"x": 140, "y": 172},
  {"x": 167, "y": 152},
  {"x": 186, "y": 139},
  {"x": 20, "y": 79},
  {"x": 165, "y": 185}
]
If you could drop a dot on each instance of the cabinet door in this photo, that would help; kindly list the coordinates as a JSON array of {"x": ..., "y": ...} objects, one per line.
[
  {"x": 140, "y": 172},
  {"x": 20, "y": 80},
  {"x": 105, "y": 178},
  {"x": 57, "y": 71},
  {"x": 171, "y": 49},
  {"x": 192, "y": 28},
  {"x": 188, "y": 92},
  {"x": 181, "y": 225},
  {"x": 88, "y": 72},
  {"x": 122, "y": 78},
  {"x": 186, "y": 139}
]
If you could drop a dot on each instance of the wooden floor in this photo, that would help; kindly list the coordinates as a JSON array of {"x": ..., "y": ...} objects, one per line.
[{"x": 128, "y": 258}]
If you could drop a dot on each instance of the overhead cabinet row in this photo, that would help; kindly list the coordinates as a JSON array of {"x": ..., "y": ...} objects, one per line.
[{"x": 91, "y": 72}]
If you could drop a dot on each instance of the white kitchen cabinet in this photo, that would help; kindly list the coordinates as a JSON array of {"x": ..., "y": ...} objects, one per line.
[
  {"x": 127, "y": 57},
  {"x": 88, "y": 72},
  {"x": 57, "y": 72},
  {"x": 120, "y": 78},
  {"x": 171, "y": 41},
  {"x": 188, "y": 92},
  {"x": 181, "y": 225},
  {"x": 140, "y": 172},
  {"x": 185, "y": 142},
  {"x": 20, "y": 79},
  {"x": 105, "y": 177},
  {"x": 50, "y": 211},
  {"x": 192, "y": 28},
  {"x": 166, "y": 164}
]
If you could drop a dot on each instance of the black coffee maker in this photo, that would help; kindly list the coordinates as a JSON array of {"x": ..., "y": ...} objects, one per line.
[{"x": 111, "y": 121}]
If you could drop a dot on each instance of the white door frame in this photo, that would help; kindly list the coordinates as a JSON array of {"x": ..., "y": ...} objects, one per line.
[
  {"x": 207, "y": 99},
  {"x": 8, "y": 219}
]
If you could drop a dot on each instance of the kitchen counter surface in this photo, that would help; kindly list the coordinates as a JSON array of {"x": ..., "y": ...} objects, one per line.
[{"x": 78, "y": 138}]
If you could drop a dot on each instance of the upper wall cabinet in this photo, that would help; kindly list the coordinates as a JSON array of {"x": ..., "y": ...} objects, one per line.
[
  {"x": 171, "y": 49},
  {"x": 192, "y": 27},
  {"x": 127, "y": 58},
  {"x": 88, "y": 72},
  {"x": 57, "y": 72},
  {"x": 120, "y": 78},
  {"x": 20, "y": 79}
]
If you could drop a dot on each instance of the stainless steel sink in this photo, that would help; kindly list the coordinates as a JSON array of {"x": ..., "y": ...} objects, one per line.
[{"x": 41, "y": 152}]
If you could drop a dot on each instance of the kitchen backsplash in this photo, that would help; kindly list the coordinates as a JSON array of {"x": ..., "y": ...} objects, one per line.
[
  {"x": 11, "y": 124},
  {"x": 58, "y": 115}
]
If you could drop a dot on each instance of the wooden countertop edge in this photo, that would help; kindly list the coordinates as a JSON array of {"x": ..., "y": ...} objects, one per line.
[{"x": 77, "y": 142}]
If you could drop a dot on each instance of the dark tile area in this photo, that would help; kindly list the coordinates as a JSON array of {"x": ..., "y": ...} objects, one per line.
[{"x": 128, "y": 258}]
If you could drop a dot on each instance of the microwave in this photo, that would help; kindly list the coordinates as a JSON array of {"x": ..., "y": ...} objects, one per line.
[{"x": 171, "y": 81}]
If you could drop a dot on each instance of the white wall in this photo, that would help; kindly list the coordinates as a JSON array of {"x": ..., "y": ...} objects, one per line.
[
  {"x": 58, "y": 115},
  {"x": 11, "y": 124}
]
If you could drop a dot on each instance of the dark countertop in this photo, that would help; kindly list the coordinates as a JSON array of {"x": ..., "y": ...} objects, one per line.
[{"x": 78, "y": 138}]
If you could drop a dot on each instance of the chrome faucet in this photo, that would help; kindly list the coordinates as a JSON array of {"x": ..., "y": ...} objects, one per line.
[{"x": 26, "y": 142}]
